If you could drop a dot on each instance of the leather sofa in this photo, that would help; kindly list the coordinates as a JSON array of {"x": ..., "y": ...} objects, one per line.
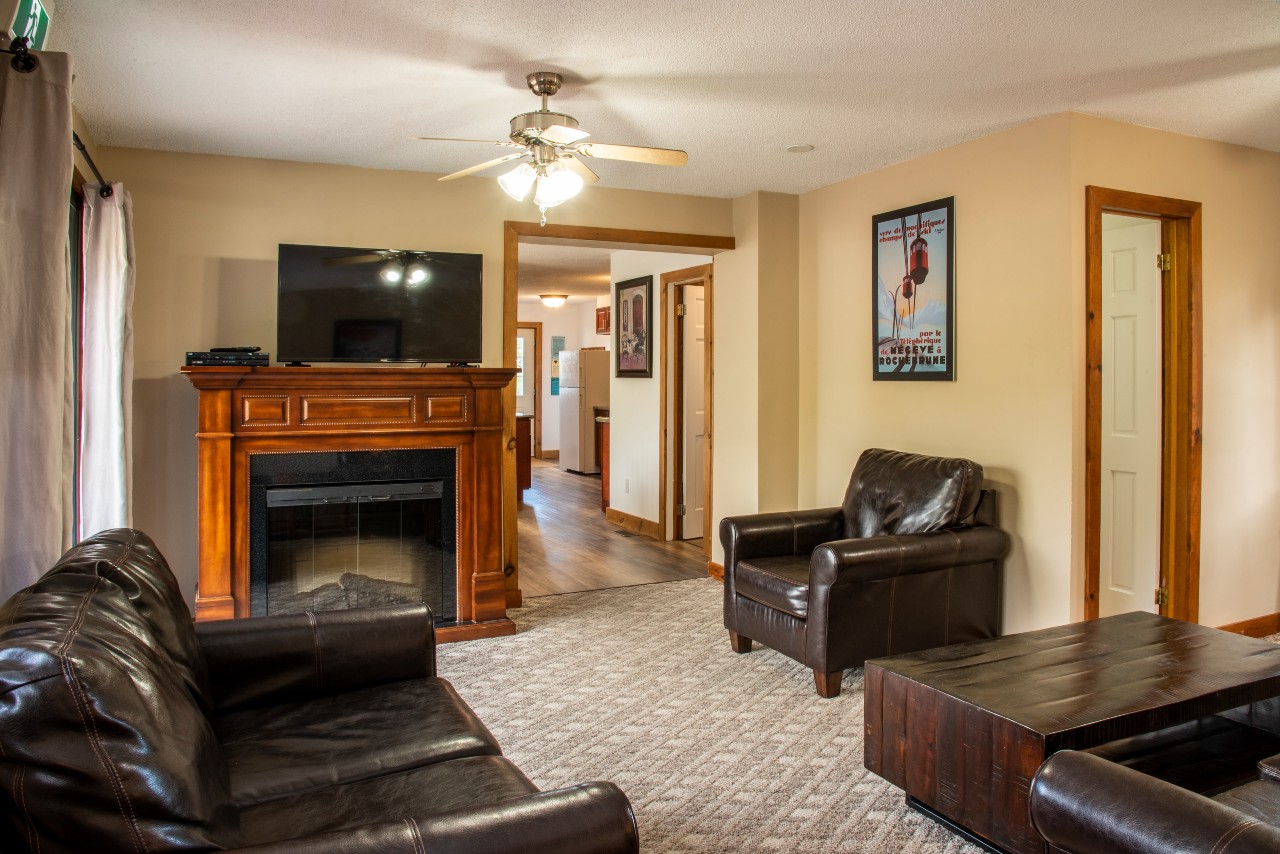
[
  {"x": 126, "y": 727},
  {"x": 1085, "y": 804},
  {"x": 912, "y": 559}
]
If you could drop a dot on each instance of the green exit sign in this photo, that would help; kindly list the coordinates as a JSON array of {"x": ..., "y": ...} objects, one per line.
[{"x": 30, "y": 21}]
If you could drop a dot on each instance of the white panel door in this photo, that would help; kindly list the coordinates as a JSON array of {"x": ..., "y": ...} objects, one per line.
[
  {"x": 695, "y": 409},
  {"x": 1129, "y": 570}
]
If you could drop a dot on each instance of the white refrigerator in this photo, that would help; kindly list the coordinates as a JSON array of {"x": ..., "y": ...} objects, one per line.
[{"x": 584, "y": 385}]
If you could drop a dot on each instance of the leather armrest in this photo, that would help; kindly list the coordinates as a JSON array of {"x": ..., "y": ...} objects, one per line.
[
  {"x": 769, "y": 534},
  {"x": 1083, "y": 803},
  {"x": 875, "y": 558},
  {"x": 592, "y": 818},
  {"x": 264, "y": 660}
]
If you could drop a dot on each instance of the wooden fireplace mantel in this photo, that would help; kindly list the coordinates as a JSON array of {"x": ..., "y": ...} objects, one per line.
[{"x": 247, "y": 411}]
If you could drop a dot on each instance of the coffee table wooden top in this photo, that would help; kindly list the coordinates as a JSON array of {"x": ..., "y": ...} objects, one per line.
[
  {"x": 1087, "y": 683},
  {"x": 963, "y": 728}
]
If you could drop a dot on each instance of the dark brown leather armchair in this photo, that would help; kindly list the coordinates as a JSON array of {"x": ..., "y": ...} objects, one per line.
[{"x": 911, "y": 560}]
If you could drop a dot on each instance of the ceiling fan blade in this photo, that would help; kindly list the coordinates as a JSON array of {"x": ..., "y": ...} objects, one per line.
[
  {"x": 367, "y": 258},
  {"x": 634, "y": 153},
  {"x": 561, "y": 135},
  {"x": 480, "y": 167},
  {"x": 482, "y": 141},
  {"x": 583, "y": 170}
]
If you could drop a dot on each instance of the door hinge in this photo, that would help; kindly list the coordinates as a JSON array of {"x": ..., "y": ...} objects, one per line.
[
  {"x": 680, "y": 310},
  {"x": 1164, "y": 262},
  {"x": 681, "y": 510},
  {"x": 1162, "y": 596}
]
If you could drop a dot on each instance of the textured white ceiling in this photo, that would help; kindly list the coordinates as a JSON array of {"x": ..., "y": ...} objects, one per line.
[{"x": 868, "y": 82}]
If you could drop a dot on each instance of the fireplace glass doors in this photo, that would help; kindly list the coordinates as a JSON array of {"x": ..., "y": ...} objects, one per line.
[{"x": 330, "y": 541}]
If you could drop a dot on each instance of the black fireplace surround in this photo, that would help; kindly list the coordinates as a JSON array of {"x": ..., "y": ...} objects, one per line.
[{"x": 353, "y": 529}]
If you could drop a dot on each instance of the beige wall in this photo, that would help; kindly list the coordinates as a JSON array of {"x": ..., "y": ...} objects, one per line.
[
  {"x": 779, "y": 353},
  {"x": 736, "y": 343},
  {"x": 1010, "y": 406},
  {"x": 1239, "y": 189},
  {"x": 206, "y": 232},
  {"x": 1017, "y": 405}
]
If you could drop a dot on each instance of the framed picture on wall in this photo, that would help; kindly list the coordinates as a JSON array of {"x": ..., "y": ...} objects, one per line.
[
  {"x": 913, "y": 293},
  {"x": 602, "y": 320},
  {"x": 634, "y": 353}
]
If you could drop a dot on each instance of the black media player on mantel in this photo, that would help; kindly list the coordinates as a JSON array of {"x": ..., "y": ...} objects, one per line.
[{"x": 229, "y": 356}]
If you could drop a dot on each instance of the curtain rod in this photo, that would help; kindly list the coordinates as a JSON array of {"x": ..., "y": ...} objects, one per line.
[{"x": 104, "y": 188}]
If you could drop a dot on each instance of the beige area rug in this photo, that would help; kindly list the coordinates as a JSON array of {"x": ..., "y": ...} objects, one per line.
[{"x": 718, "y": 752}]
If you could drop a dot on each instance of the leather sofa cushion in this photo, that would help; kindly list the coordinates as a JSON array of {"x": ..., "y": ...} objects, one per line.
[
  {"x": 781, "y": 583},
  {"x": 431, "y": 790},
  {"x": 298, "y": 747},
  {"x": 1269, "y": 768},
  {"x": 1259, "y": 799},
  {"x": 130, "y": 559},
  {"x": 100, "y": 739},
  {"x": 892, "y": 492}
]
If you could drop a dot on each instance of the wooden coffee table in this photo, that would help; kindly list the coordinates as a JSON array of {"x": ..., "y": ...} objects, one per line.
[{"x": 963, "y": 728}]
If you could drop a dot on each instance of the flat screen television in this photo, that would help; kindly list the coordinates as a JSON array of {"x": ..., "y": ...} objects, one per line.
[{"x": 342, "y": 304}]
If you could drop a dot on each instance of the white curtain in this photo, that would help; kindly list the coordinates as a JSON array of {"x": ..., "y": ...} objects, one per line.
[
  {"x": 36, "y": 469},
  {"x": 106, "y": 365}
]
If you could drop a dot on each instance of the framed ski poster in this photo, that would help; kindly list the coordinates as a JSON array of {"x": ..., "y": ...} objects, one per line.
[{"x": 913, "y": 292}]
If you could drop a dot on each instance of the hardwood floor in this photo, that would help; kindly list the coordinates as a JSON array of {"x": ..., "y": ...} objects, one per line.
[{"x": 567, "y": 546}]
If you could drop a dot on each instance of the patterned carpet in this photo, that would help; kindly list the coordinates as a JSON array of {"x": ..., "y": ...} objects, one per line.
[{"x": 717, "y": 752}]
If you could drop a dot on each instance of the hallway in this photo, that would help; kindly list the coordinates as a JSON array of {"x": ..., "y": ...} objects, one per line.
[{"x": 566, "y": 545}]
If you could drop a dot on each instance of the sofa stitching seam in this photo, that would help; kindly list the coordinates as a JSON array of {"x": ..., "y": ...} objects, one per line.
[
  {"x": 116, "y": 564},
  {"x": 416, "y": 834},
  {"x": 968, "y": 479},
  {"x": 90, "y": 730},
  {"x": 33, "y": 833},
  {"x": 1231, "y": 833},
  {"x": 315, "y": 641}
]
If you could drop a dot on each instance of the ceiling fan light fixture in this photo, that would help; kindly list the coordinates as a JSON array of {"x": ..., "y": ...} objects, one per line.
[
  {"x": 416, "y": 274},
  {"x": 518, "y": 181},
  {"x": 553, "y": 300},
  {"x": 557, "y": 185},
  {"x": 391, "y": 273}
]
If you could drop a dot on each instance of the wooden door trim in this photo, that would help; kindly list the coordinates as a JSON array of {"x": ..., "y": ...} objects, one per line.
[
  {"x": 1181, "y": 354},
  {"x": 536, "y": 326},
  {"x": 512, "y": 231},
  {"x": 673, "y": 441}
]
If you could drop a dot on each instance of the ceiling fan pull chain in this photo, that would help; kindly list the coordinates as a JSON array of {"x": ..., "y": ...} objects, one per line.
[{"x": 543, "y": 210}]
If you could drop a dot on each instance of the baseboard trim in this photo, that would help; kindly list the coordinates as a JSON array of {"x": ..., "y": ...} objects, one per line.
[
  {"x": 1256, "y": 628},
  {"x": 715, "y": 570},
  {"x": 648, "y": 527},
  {"x": 475, "y": 631},
  {"x": 549, "y": 455}
]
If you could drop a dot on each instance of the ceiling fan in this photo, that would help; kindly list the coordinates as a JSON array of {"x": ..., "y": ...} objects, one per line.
[{"x": 551, "y": 145}]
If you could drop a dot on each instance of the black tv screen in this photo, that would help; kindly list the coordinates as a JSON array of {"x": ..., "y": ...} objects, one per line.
[{"x": 341, "y": 304}]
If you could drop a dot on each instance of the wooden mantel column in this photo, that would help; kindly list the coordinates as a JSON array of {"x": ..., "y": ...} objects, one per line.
[{"x": 247, "y": 411}]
